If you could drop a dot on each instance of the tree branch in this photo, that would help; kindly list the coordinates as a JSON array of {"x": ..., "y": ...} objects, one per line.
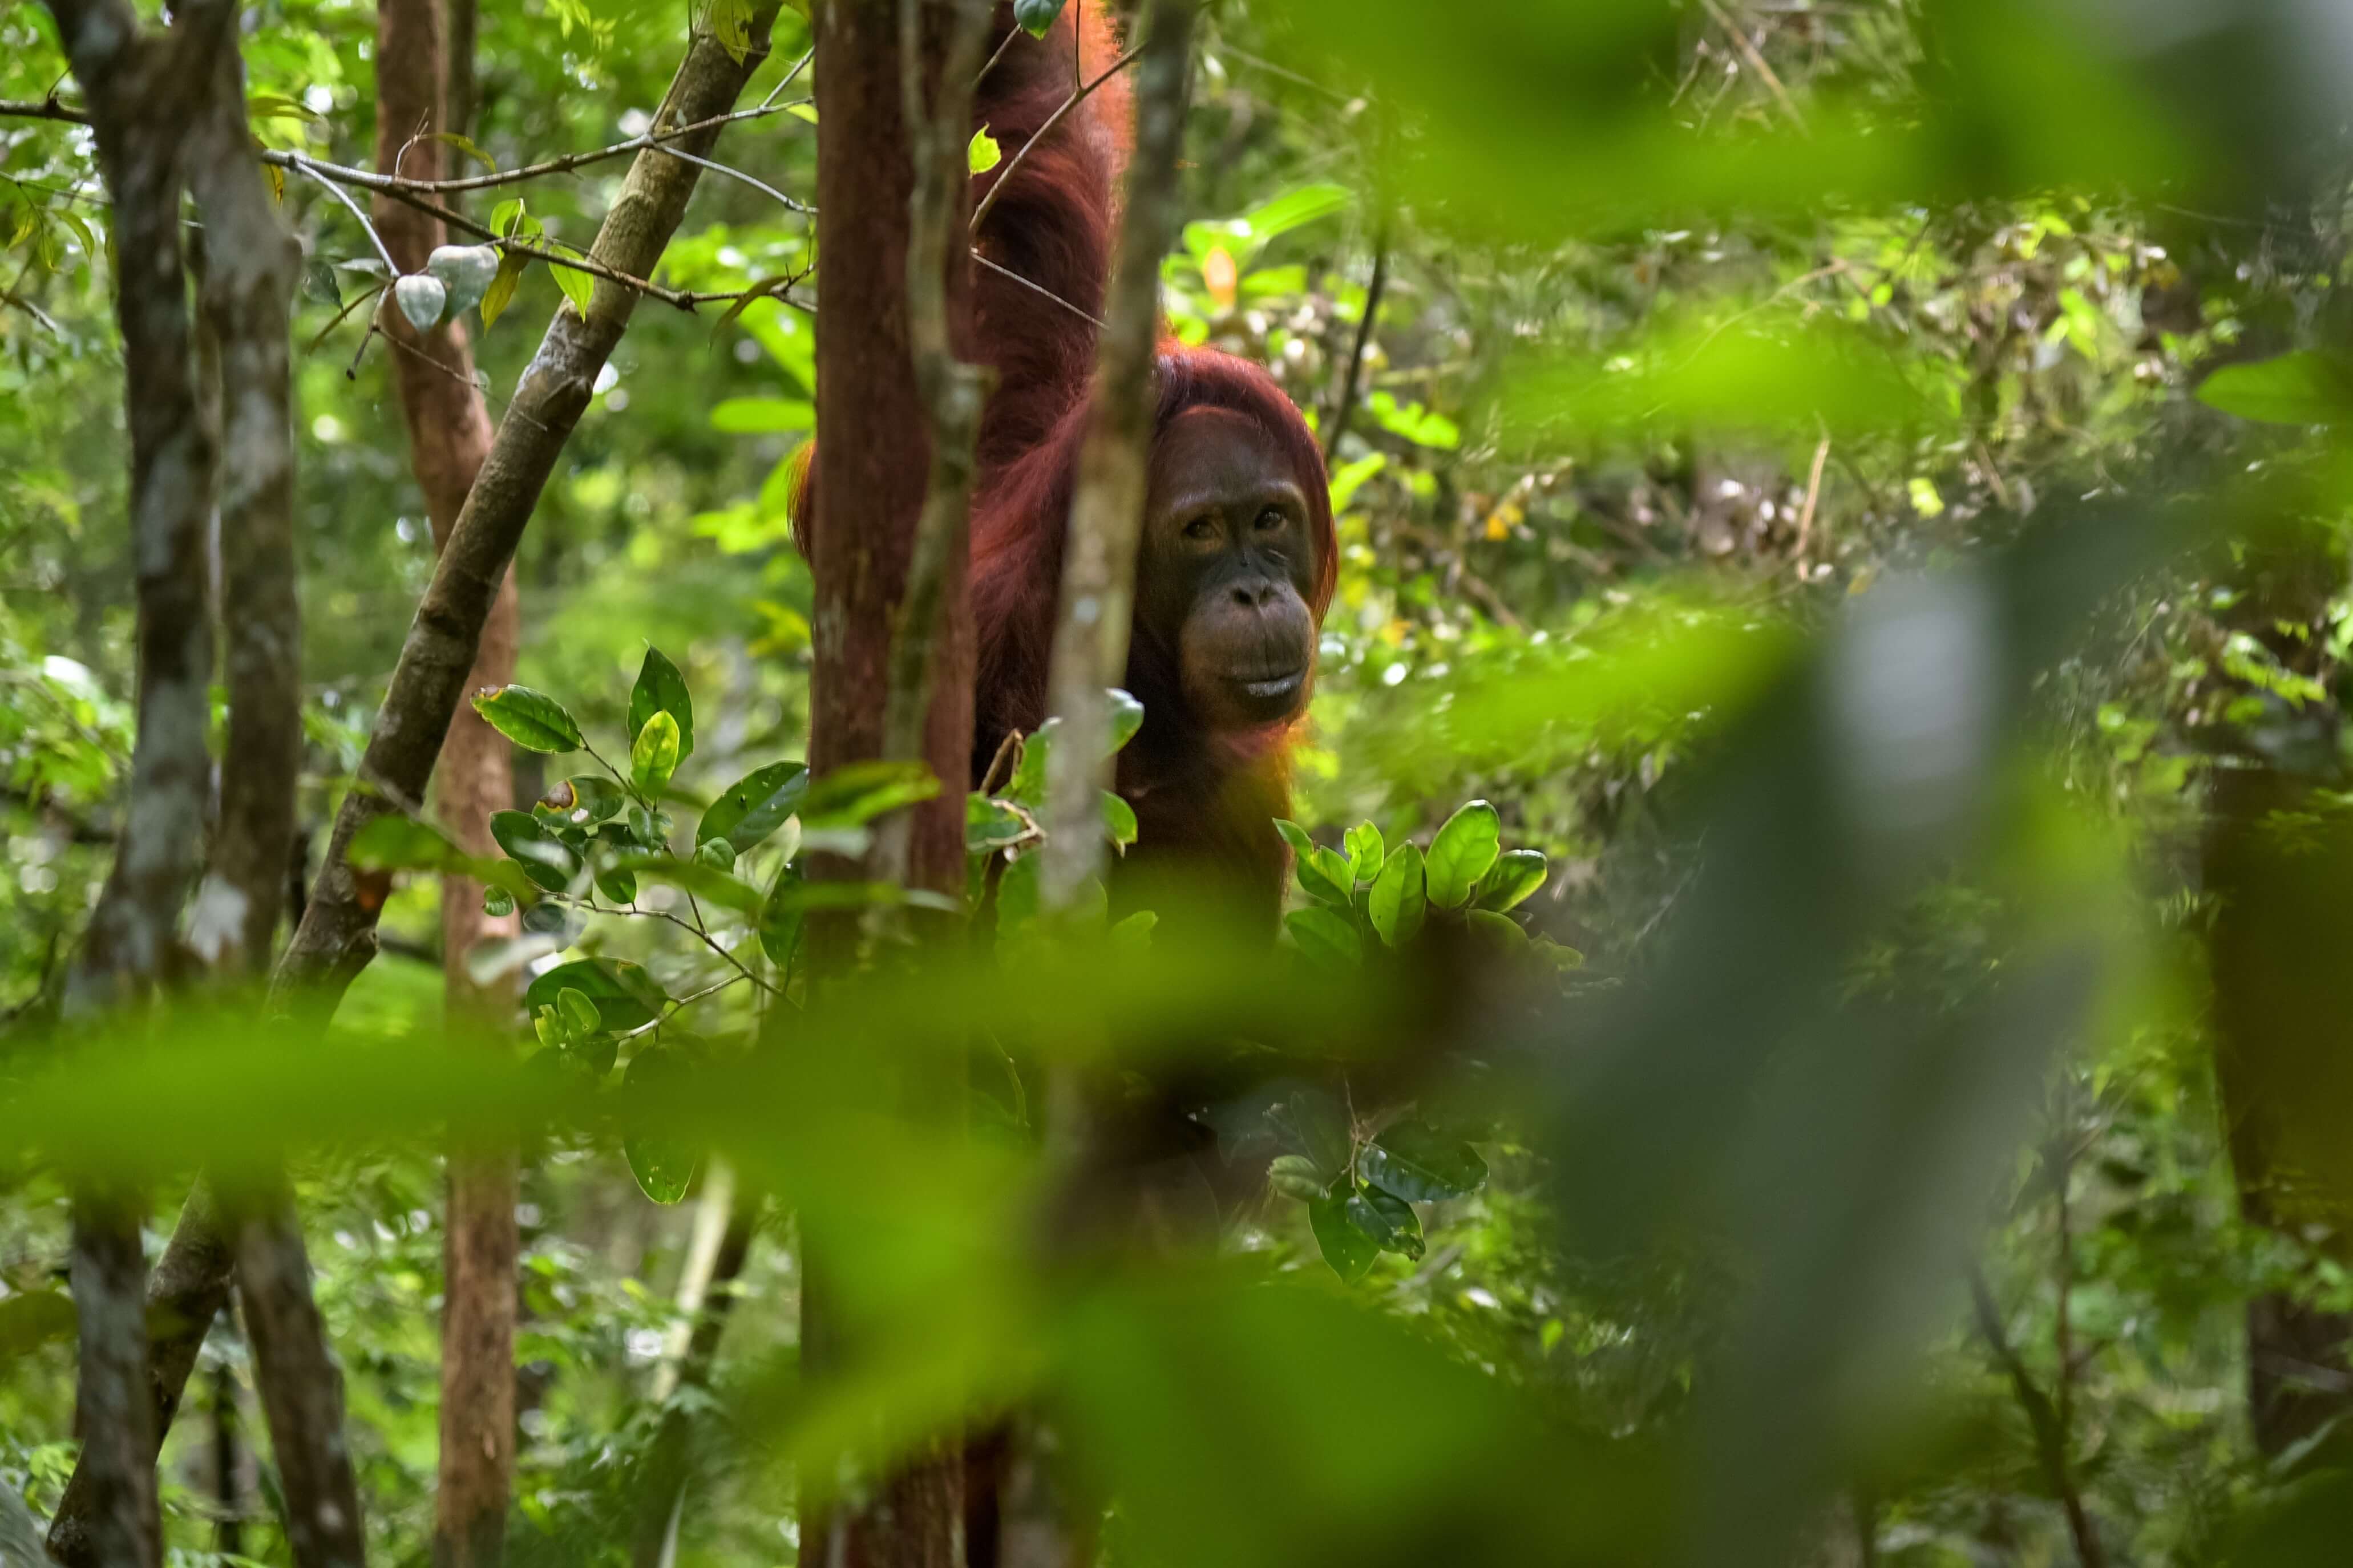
[
  {"x": 141, "y": 87},
  {"x": 1079, "y": 95},
  {"x": 2050, "y": 1439},
  {"x": 1098, "y": 591},
  {"x": 337, "y": 934},
  {"x": 1350, "y": 382}
]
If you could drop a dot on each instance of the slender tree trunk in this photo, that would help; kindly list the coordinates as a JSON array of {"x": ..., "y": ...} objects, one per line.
[
  {"x": 2283, "y": 1002},
  {"x": 336, "y": 933},
  {"x": 723, "y": 1224},
  {"x": 301, "y": 1387},
  {"x": 876, "y": 464},
  {"x": 449, "y": 438}
]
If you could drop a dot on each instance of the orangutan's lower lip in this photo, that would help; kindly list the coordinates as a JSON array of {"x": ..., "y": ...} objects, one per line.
[{"x": 1274, "y": 687}]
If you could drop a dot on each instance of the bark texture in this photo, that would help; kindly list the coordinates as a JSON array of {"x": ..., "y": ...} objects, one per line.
[
  {"x": 877, "y": 463},
  {"x": 723, "y": 1242},
  {"x": 336, "y": 935},
  {"x": 1098, "y": 591},
  {"x": 141, "y": 87},
  {"x": 301, "y": 1388},
  {"x": 450, "y": 436},
  {"x": 2283, "y": 996}
]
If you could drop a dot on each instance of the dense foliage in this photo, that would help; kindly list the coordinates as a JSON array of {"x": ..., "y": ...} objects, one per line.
[{"x": 1834, "y": 486}]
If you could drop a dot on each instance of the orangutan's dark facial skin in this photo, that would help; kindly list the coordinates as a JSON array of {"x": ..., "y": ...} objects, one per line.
[{"x": 1228, "y": 565}]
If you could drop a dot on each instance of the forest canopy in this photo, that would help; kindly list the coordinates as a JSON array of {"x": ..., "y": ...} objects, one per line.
[{"x": 582, "y": 985}]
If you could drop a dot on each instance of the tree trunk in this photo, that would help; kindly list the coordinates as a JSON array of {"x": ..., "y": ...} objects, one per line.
[
  {"x": 449, "y": 437},
  {"x": 876, "y": 463}
]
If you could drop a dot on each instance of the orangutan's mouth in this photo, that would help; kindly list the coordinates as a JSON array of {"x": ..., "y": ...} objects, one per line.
[{"x": 1274, "y": 687}]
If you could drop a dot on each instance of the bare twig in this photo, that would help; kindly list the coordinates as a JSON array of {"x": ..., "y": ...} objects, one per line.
[
  {"x": 952, "y": 391},
  {"x": 1813, "y": 499},
  {"x": 43, "y": 109},
  {"x": 799, "y": 66},
  {"x": 1007, "y": 272},
  {"x": 1078, "y": 96},
  {"x": 718, "y": 168},
  {"x": 2050, "y": 1437},
  {"x": 1757, "y": 62},
  {"x": 318, "y": 172},
  {"x": 1347, "y": 403}
]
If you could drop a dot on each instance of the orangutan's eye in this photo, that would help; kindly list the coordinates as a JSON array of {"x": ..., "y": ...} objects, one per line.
[
  {"x": 1200, "y": 528},
  {"x": 1271, "y": 518}
]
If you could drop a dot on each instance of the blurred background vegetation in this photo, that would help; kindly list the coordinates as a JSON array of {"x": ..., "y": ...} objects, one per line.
[{"x": 1853, "y": 481}]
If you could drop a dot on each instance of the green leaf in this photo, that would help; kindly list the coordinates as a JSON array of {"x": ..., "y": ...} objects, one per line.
[
  {"x": 1119, "y": 821},
  {"x": 578, "y": 1014},
  {"x": 1500, "y": 931},
  {"x": 861, "y": 792},
  {"x": 1421, "y": 1164},
  {"x": 1366, "y": 852},
  {"x": 618, "y": 885},
  {"x": 708, "y": 883},
  {"x": 1295, "y": 835},
  {"x": 546, "y": 858},
  {"x": 802, "y": 111},
  {"x": 716, "y": 853},
  {"x": 731, "y": 24},
  {"x": 1293, "y": 208},
  {"x": 1126, "y": 717},
  {"x": 1018, "y": 898},
  {"x": 1386, "y": 1219},
  {"x": 497, "y": 903},
  {"x": 578, "y": 287},
  {"x": 1465, "y": 847},
  {"x": 1037, "y": 16},
  {"x": 660, "y": 689},
  {"x": 1027, "y": 787},
  {"x": 596, "y": 795},
  {"x": 763, "y": 415},
  {"x": 501, "y": 291},
  {"x": 1398, "y": 899},
  {"x": 990, "y": 826},
  {"x": 2306, "y": 387},
  {"x": 755, "y": 805},
  {"x": 1511, "y": 879},
  {"x": 664, "y": 1167},
  {"x": 654, "y": 757},
  {"x": 397, "y": 843},
  {"x": 1294, "y": 1176},
  {"x": 982, "y": 154},
  {"x": 1312, "y": 1122},
  {"x": 1134, "y": 934},
  {"x": 1326, "y": 875},
  {"x": 1326, "y": 936},
  {"x": 625, "y": 995},
  {"x": 465, "y": 144},
  {"x": 780, "y": 918},
  {"x": 532, "y": 720},
  {"x": 1346, "y": 1248}
]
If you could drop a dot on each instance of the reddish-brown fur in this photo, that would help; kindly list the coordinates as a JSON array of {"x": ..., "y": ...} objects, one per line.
[{"x": 1202, "y": 798}]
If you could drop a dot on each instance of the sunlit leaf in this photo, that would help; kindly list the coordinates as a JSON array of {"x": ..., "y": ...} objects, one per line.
[
  {"x": 1399, "y": 897},
  {"x": 1510, "y": 881},
  {"x": 532, "y": 720},
  {"x": 660, "y": 689},
  {"x": 1460, "y": 854},
  {"x": 654, "y": 757}
]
